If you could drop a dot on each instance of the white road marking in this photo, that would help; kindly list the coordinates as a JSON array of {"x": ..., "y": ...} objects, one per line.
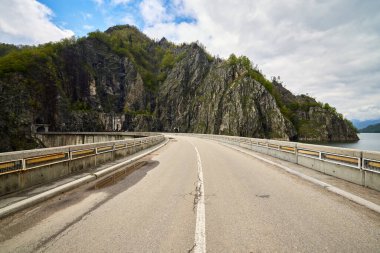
[{"x": 200, "y": 227}]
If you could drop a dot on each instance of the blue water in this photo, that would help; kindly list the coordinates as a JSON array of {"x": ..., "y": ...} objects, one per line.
[{"x": 368, "y": 141}]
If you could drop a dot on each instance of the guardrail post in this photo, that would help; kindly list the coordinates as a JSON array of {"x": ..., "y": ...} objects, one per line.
[
  {"x": 23, "y": 164},
  {"x": 96, "y": 156},
  {"x": 114, "y": 152},
  {"x": 361, "y": 165},
  {"x": 21, "y": 179}
]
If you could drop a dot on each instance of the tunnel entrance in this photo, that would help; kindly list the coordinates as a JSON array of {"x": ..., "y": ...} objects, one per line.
[{"x": 40, "y": 128}]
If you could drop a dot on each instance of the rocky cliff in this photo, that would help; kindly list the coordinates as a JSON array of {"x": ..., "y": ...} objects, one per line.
[
  {"x": 314, "y": 120},
  {"x": 123, "y": 80}
]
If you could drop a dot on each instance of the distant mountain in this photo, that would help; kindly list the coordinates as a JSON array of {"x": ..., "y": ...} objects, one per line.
[
  {"x": 363, "y": 124},
  {"x": 371, "y": 129}
]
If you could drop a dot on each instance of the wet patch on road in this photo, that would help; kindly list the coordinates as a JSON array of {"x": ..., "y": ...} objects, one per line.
[
  {"x": 23, "y": 220},
  {"x": 264, "y": 196},
  {"x": 119, "y": 175}
]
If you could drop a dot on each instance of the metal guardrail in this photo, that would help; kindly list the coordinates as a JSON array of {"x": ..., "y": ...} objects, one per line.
[
  {"x": 10, "y": 167},
  {"x": 32, "y": 162},
  {"x": 38, "y": 161},
  {"x": 82, "y": 153},
  {"x": 329, "y": 157},
  {"x": 288, "y": 149},
  {"x": 371, "y": 165}
]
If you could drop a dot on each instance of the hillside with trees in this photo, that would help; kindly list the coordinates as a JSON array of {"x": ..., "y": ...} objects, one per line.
[{"x": 84, "y": 84}]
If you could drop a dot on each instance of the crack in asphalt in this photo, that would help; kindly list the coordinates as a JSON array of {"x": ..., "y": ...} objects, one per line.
[
  {"x": 197, "y": 196},
  {"x": 42, "y": 243},
  {"x": 192, "y": 248}
]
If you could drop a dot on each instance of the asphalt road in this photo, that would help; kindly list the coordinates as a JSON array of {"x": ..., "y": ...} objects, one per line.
[{"x": 219, "y": 200}]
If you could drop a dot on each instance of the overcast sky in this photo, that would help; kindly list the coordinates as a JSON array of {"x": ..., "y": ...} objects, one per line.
[{"x": 329, "y": 49}]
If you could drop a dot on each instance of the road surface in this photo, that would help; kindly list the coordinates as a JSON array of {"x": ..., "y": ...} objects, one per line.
[{"x": 196, "y": 195}]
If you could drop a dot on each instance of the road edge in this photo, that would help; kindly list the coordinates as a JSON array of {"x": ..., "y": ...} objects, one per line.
[
  {"x": 358, "y": 200},
  {"x": 25, "y": 203}
]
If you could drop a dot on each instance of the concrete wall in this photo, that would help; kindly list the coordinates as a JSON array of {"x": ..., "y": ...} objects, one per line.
[
  {"x": 23, "y": 169},
  {"x": 356, "y": 166},
  {"x": 57, "y": 139}
]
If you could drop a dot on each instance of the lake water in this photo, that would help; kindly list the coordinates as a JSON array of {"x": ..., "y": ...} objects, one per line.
[{"x": 368, "y": 141}]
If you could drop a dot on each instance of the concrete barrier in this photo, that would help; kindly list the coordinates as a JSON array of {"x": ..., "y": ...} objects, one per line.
[
  {"x": 22, "y": 169},
  {"x": 356, "y": 166}
]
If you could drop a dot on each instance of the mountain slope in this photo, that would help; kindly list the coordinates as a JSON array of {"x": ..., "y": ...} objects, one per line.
[
  {"x": 371, "y": 129},
  {"x": 359, "y": 124},
  {"x": 121, "y": 79}
]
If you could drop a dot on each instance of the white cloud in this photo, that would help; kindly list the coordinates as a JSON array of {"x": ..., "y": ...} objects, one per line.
[
  {"x": 99, "y": 2},
  {"x": 86, "y": 15},
  {"x": 28, "y": 22},
  {"x": 88, "y": 27},
  {"x": 153, "y": 11},
  {"x": 328, "y": 49},
  {"x": 117, "y": 2},
  {"x": 128, "y": 19}
]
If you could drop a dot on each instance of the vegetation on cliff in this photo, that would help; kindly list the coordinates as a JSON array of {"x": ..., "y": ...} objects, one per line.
[{"x": 85, "y": 84}]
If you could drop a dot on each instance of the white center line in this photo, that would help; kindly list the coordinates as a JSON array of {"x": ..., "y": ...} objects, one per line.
[{"x": 200, "y": 227}]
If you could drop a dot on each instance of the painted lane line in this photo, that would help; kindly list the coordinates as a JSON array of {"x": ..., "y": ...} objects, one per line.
[{"x": 200, "y": 227}]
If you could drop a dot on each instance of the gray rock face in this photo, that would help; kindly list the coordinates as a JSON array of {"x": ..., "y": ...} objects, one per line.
[
  {"x": 213, "y": 97},
  {"x": 320, "y": 125},
  {"x": 316, "y": 121}
]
